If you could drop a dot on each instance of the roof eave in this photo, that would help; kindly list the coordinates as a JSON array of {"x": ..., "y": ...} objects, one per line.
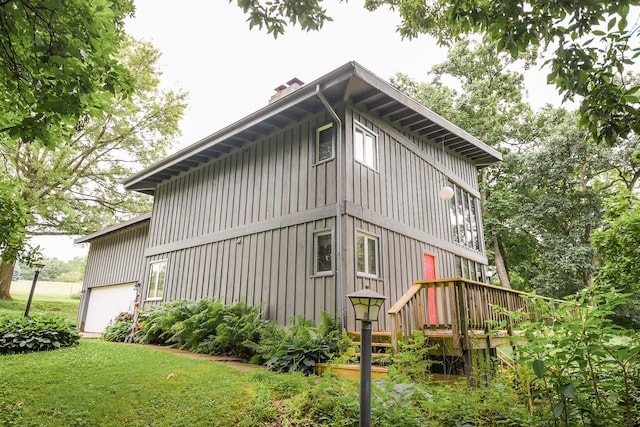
[{"x": 113, "y": 228}]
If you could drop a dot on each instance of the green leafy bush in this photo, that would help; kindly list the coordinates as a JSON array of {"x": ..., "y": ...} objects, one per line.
[
  {"x": 156, "y": 321},
  {"x": 303, "y": 345},
  {"x": 580, "y": 366},
  {"x": 118, "y": 332},
  {"x": 36, "y": 333},
  {"x": 205, "y": 327},
  {"x": 239, "y": 332},
  {"x": 201, "y": 322}
]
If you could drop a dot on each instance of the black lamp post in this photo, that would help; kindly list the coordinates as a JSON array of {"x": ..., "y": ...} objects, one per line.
[
  {"x": 366, "y": 304},
  {"x": 37, "y": 266}
]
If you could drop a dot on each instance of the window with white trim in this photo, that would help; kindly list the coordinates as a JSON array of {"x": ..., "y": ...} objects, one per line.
[
  {"x": 365, "y": 146},
  {"x": 156, "y": 280},
  {"x": 367, "y": 257},
  {"x": 322, "y": 252},
  {"x": 324, "y": 143},
  {"x": 464, "y": 212}
]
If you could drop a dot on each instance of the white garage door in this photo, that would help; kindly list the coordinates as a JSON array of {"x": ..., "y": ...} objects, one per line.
[{"x": 106, "y": 303}]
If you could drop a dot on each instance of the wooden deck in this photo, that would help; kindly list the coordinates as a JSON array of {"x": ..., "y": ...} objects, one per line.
[{"x": 461, "y": 316}]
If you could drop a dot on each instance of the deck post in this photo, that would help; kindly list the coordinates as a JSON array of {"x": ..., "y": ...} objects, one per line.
[
  {"x": 420, "y": 304},
  {"x": 463, "y": 320},
  {"x": 455, "y": 318}
]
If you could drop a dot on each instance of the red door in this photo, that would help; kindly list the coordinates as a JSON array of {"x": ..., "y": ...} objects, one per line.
[{"x": 430, "y": 274}]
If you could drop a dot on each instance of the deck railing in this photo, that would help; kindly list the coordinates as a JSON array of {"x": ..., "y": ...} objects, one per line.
[{"x": 458, "y": 306}]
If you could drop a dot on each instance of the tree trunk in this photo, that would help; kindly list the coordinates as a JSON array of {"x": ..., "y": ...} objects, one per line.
[
  {"x": 501, "y": 264},
  {"x": 6, "y": 271}
]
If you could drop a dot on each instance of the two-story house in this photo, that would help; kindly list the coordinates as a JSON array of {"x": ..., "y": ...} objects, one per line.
[{"x": 333, "y": 186}]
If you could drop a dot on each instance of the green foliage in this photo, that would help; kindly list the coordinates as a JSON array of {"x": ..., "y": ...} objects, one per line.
[
  {"x": 594, "y": 48},
  {"x": 238, "y": 333},
  {"x": 75, "y": 188},
  {"x": 581, "y": 366},
  {"x": 276, "y": 15},
  {"x": 595, "y": 45},
  {"x": 335, "y": 402},
  {"x": 558, "y": 189},
  {"x": 118, "y": 332},
  {"x": 412, "y": 363},
  {"x": 303, "y": 345},
  {"x": 57, "y": 270},
  {"x": 618, "y": 248},
  {"x": 156, "y": 322},
  {"x": 37, "y": 333},
  {"x": 204, "y": 327},
  {"x": 59, "y": 66},
  {"x": 495, "y": 404},
  {"x": 14, "y": 217}
]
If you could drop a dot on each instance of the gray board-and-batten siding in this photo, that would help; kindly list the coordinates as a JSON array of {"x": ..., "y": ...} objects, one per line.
[{"x": 240, "y": 225}]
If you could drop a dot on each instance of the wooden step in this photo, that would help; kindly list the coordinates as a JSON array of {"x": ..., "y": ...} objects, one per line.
[{"x": 375, "y": 344}]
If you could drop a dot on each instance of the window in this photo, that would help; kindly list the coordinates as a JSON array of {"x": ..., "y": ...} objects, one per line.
[
  {"x": 324, "y": 143},
  {"x": 464, "y": 210},
  {"x": 156, "y": 281},
  {"x": 322, "y": 252},
  {"x": 367, "y": 263},
  {"x": 365, "y": 147}
]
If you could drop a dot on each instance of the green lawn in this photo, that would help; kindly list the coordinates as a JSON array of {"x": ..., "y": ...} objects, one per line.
[
  {"x": 50, "y": 298},
  {"x": 109, "y": 384}
]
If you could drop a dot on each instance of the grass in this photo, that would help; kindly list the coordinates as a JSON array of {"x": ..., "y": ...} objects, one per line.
[
  {"x": 50, "y": 298},
  {"x": 109, "y": 384}
]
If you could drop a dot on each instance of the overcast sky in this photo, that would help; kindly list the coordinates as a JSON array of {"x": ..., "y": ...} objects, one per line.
[{"x": 230, "y": 72}]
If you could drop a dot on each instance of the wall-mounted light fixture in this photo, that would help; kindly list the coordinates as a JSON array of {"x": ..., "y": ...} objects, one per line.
[{"x": 446, "y": 193}]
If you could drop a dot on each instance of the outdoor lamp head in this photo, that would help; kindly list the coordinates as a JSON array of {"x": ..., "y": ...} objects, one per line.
[
  {"x": 446, "y": 193},
  {"x": 38, "y": 266},
  {"x": 366, "y": 304}
]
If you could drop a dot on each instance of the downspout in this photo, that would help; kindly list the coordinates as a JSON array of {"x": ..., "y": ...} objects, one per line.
[{"x": 338, "y": 263}]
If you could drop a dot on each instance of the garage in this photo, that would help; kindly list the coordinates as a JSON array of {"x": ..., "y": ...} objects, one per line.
[{"x": 105, "y": 303}]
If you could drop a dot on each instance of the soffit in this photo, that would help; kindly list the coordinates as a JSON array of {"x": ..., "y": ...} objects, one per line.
[{"x": 350, "y": 83}]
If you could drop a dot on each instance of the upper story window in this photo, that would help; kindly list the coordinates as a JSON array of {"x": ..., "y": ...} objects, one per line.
[
  {"x": 465, "y": 220},
  {"x": 365, "y": 146},
  {"x": 322, "y": 252},
  {"x": 324, "y": 143},
  {"x": 367, "y": 255},
  {"x": 156, "y": 280}
]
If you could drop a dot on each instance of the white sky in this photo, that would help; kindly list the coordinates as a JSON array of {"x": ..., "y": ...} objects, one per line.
[{"x": 230, "y": 72}]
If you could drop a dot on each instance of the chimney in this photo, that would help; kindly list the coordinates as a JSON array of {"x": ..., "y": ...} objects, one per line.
[{"x": 283, "y": 90}]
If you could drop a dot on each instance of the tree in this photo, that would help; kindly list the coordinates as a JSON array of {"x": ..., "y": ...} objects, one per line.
[
  {"x": 14, "y": 215},
  {"x": 58, "y": 66},
  {"x": 75, "y": 189},
  {"x": 618, "y": 248},
  {"x": 594, "y": 43},
  {"x": 560, "y": 185}
]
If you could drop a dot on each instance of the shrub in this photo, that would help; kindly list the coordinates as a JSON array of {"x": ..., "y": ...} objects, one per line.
[
  {"x": 412, "y": 363},
  {"x": 238, "y": 333},
  {"x": 303, "y": 345},
  {"x": 336, "y": 402},
  {"x": 580, "y": 365},
  {"x": 156, "y": 321},
  {"x": 118, "y": 332},
  {"x": 36, "y": 333},
  {"x": 205, "y": 327}
]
